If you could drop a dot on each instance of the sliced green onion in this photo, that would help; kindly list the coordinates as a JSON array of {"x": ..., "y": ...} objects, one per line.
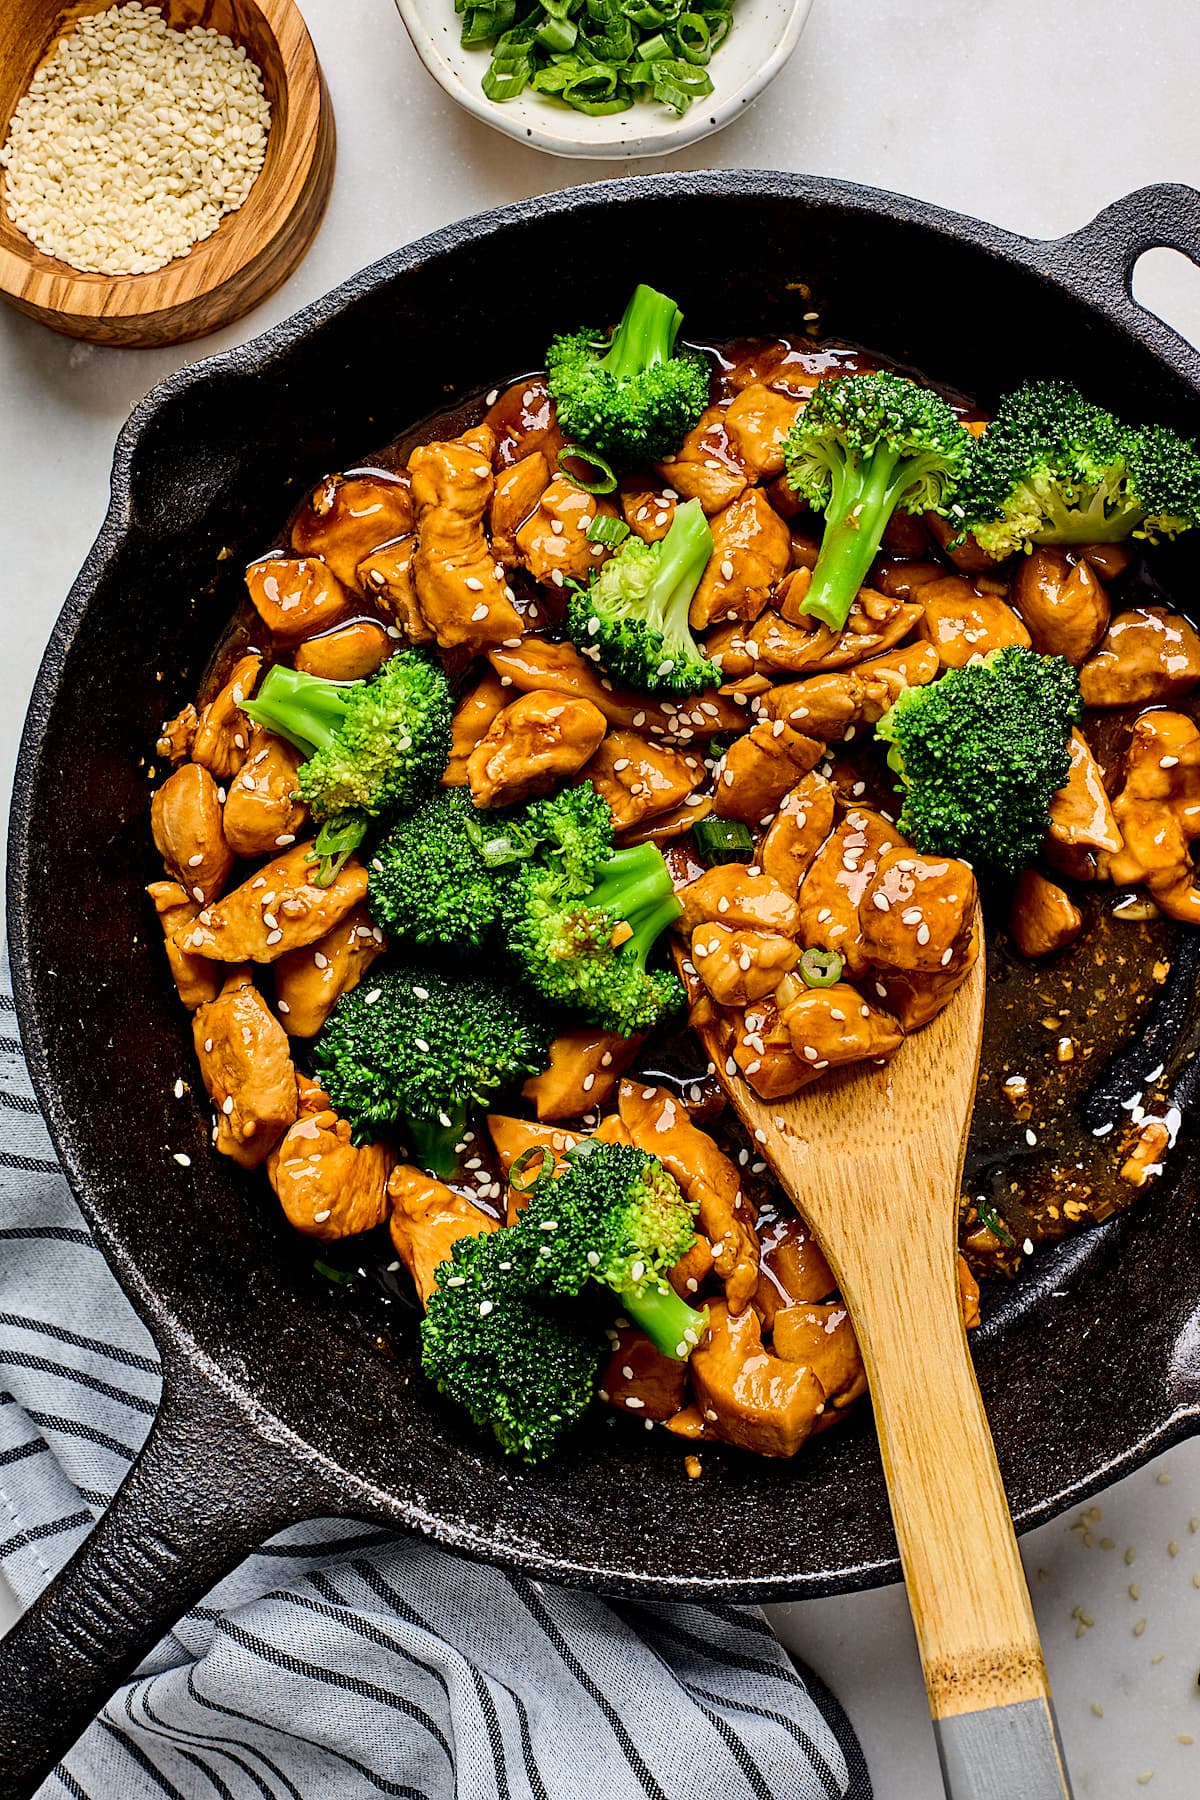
[
  {"x": 507, "y": 82},
  {"x": 693, "y": 37},
  {"x": 575, "y": 453},
  {"x": 545, "y": 1168},
  {"x": 497, "y": 848},
  {"x": 483, "y": 24},
  {"x": 604, "y": 530},
  {"x": 720, "y": 840},
  {"x": 558, "y": 34},
  {"x": 821, "y": 968},
  {"x": 990, "y": 1218},
  {"x": 330, "y": 1273},
  {"x": 335, "y": 844},
  {"x": 597, "y": 56}
]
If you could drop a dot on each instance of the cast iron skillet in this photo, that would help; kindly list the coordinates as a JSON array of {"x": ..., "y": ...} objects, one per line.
[{"x": 279, "y": 1402}]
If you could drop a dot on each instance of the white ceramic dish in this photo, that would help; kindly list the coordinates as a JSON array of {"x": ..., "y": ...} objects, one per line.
[{"x": 764, "y": 34}]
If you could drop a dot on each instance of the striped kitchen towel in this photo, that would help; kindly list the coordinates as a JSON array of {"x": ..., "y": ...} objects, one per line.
[{"x": 342, "y": 1661}]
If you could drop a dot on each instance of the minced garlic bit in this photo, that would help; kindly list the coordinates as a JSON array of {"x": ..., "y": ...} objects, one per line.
[{"x": 133, "y": 141}]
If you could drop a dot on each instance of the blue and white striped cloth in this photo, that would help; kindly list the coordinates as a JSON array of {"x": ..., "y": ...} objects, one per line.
[{"x": 342, "y": 1661}]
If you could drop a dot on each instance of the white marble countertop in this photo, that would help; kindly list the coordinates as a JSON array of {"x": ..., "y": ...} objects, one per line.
[{"x": 1029, "y": 114}]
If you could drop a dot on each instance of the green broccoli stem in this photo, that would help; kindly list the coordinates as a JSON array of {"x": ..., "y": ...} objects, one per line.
[
  {"x": 682, "y": 559},
  {"x": 673, "y": 1327},
  {"x": 864, "y": 496},
  {"x": 650, "y": 927},
  {"x": 305, "y": 709},
  {"x": 645, "y": 336},
  {"x": 432, "y": 1144},
  {"x": 636, "y": 886}
]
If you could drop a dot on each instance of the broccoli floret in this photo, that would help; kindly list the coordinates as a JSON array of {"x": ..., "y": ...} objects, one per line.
[
  {"x": 981, "y": 753},
  {"x": 633, "y": 617},
  {"x": 572, "y": 833},
  {"x": 410, "y": 1049},
  {"x": 1052, "y": 468},
  {"x": 617, "y": 1217},
  {"x": 526, "y": 1371},
  {"x": 430, "y": 880},
  {"x": 863, "y": 446},
  {"x": 371, "y": 746},
  {"x": 634, "y": 400},
  {"x": 1164, "y": 473},
  {"x": 580, "y": 931}
]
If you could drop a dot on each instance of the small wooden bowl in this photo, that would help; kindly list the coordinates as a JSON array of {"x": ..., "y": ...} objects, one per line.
[{"x": 251, "y": 251}]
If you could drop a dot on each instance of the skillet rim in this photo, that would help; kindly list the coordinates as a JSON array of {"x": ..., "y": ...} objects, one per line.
[{"x": 1063, "y": 264}]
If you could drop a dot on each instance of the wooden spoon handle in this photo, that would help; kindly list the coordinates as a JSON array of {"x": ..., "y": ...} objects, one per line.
[{"x": 978, "y": 1639}]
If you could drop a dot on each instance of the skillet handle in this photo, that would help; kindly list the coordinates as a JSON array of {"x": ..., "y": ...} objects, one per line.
[
  {"x": 1098, "y": 260},
  {"x": 206, "y": 1490}
]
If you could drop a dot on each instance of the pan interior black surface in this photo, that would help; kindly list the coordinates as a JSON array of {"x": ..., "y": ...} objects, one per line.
[{"x": 1093, "y": 1362}]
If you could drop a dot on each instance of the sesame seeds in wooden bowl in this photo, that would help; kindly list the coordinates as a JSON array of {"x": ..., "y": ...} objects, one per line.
[{"x": 265, "y": 208}]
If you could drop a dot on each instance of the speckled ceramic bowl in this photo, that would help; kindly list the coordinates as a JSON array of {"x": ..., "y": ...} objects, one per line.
[{"x": 765, "y": 32}]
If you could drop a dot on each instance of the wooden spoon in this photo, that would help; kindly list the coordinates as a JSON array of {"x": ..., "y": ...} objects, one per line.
[{"x": 873, "y": 1160}]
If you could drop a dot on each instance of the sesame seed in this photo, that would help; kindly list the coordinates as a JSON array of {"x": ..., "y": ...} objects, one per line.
[
  {"x": 480, "y": 613},
  {"x": 182, "y": 1158}
]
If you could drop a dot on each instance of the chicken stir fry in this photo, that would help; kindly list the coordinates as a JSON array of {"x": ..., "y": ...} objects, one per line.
[{"x": 597, "y": 718}]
